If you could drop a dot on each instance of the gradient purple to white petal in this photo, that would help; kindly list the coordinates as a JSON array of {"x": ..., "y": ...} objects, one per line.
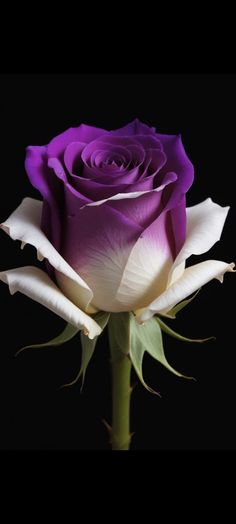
[
  {"x": 96, "y": 164},
  {"x": 113, "y": 225}
]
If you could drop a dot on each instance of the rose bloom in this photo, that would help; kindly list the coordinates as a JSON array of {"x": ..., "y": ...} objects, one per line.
[{"x": 113, "y": 225}]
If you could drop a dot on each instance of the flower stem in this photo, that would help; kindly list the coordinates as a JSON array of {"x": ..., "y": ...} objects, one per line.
[{"x": 121, "y": 391}]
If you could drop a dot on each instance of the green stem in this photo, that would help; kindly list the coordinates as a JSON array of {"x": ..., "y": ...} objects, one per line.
[{"x": 121, "y": 391}]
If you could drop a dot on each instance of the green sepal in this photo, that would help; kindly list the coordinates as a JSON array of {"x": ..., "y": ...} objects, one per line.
[
  {"x": 133, "y": 339},
  {"x": 67, "y": 334},
  {"x": 173, "y": 312},
  {"x": 148, "y": 337},
  {"x": 174, "y": 334},
  {"x": 137, "y": 350},
  {"x": 88, "y": 347},
  {"x": 119, "y": 333}
]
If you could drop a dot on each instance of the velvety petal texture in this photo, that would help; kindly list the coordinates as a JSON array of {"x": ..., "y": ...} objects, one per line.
[
  {"x": 92, "y": 165},
  {"x": 24, "y": 225},
  {"x": 113, "y": 226},
  {"x": 204, "y": 227},
  {"x": 36, "y": 284},
  {"x": 205, "y": 223},
  {"x": 192, "y": 279}
]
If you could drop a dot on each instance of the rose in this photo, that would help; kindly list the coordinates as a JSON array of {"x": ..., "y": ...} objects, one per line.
[{"x": 113, "y": 225}]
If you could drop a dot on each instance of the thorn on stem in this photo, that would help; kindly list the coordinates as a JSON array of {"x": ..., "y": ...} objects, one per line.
[{"x": 108, "y": 427}]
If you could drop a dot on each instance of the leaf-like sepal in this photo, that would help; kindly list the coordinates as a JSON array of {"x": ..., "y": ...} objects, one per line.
[
  {"x": 173, "y": 312},
  {"x": 88, "y": 347},
  {"x": 174, "y": 334},
  {"x": 148, "y": 337},
  {"x": 67, "y": 334},
  {"x": 127, "y": 336},
  {"x": 121, "y": 328}
]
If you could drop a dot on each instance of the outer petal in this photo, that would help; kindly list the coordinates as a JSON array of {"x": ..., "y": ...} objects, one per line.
[
  {"x": 36, "y": 284},
  {"x": 147, "y": 268},
  {"x": 24, "y": 225},
  {"x": 178, "y": 222},
  {"x": 134, "y": 128},
  {"x": 72, "y": 156},
  {"x": 50, "y": 187},
  {"x": 192, "y": 279},
  {"x": 178, "y": 162},
  {"x": 205, "y": 223},
  {"x": 169, "y": 178},
  {"x": 95, "y": 190},
  {"x": 60, "y": 174},
  {"x": 97, "y": 245},
  {"x": 83, "y": 133}
]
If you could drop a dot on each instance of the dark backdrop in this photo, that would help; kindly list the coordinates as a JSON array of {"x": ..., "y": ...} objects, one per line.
[{"x": 35, "y": 412}]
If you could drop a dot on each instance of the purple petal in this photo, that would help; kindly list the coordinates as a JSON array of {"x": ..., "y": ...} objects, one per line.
[
  {"x": 82, "y": 133},
  {"x": 124, "y": 140},
  {"x": 50, "y": 188},
  {"x": 58, "y": 168},
  {"x": 178, "y": 224},
  {"x": 98, "y": 191},
  {"x": 154, "y": 162},
  {"x": 108, "y": 173},
  {"x": 149, "y": 141},
  {"x": 174, "y": 196},
  {"x": 72, "y": 156},
  {"x": 134, "y": 128},
  {"x": 109, "y": 150},
  {"x": 106, "y": 161},
  {"x": 122, "y": 177},
  {"x": 144, "y": 209},
  {"x": 99, "y": 254},
  {"x": 110, "y": 159},
  {"x": 179, "y": 163}
]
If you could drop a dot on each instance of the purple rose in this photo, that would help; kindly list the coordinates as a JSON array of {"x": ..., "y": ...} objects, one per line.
[
  {"x": 113, "y": 221},
  {"x": 141, "y": 178}
]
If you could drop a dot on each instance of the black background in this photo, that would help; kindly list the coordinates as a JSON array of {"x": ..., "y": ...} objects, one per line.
[{"x": 35, "y": 412}]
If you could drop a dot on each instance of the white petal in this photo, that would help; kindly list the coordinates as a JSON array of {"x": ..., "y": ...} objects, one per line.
[
  {"x": 171, "y": 177},
  {"x": 124, "y": 278},
  {"x": 36, "y": 284},
  {"x": 205, "y": 223},
  {"x": 24, "y": 225},
  {"x": 192, "y": 279},
  {"x": 146, "y": 272}
]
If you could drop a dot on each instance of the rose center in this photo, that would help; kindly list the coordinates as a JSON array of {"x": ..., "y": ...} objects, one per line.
[{"x": 118, "y": 162}]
